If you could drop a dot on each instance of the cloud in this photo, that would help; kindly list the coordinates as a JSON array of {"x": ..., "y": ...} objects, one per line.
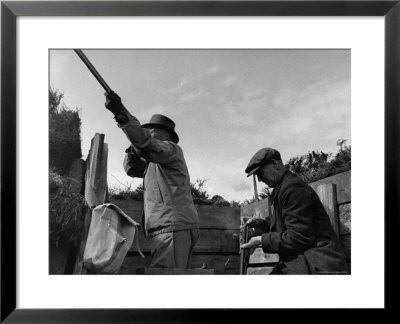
[
  {"x": 242, "y": 186},
  {"x": 187, "y": 97},
  {"x": 193, "y": 79}
]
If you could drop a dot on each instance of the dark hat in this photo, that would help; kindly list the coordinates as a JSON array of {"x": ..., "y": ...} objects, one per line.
[
  {"x": 260, "y": 158},
  {"x": 165, "y": 123}
]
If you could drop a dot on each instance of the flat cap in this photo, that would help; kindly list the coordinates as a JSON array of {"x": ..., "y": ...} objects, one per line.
[{"x": 260, "y": 158}]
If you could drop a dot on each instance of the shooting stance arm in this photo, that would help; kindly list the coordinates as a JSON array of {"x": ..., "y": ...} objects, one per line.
[{"x": 134, "y": 165}]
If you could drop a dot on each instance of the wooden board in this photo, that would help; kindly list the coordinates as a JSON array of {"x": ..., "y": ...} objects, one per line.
[
  {"x": 327, "y": 194},
  {"x": 96, "y": 172},
  {"x": 218, "y": 226},
  {"x": 77, "y": 174},
  {"x": 220, "y": 263},
  {"x": 210, "y": 241},
  {"x": 259, "y": 257},
  {"x": 210, "y": 217},
  {"x": 345, "y": 240},
  {"x": 79, "y": 268},
  {"x": 132, "y": 208},
  {"x": 259, "y": 208},
  {"x": 162, "y": 271},
  {"x": 259, "y": 270},
  {"x": 221, "y": 241},
  {"x": 345, "y": 218},
  {"x": 343, "y": 186}
]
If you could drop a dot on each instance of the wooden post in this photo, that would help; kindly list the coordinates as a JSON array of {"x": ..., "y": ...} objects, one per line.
[
  {"x": 95, "y": 189},
  {"x": 96, "y": 172},
  {"x": 327, "y": 194},
  {"x": 255, "y": 188}
]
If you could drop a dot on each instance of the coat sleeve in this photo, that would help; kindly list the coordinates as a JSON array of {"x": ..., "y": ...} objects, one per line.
[
  {"x": 297, "y": 216},
  {"x": 149, "y": 148},
  {"x": 134, "y": 165}
]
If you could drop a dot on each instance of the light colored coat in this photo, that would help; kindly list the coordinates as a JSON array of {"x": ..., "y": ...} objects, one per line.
[{"x": 168, "y": 203}]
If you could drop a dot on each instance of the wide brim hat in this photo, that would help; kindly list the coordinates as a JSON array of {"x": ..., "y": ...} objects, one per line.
[
  {"x": 262, "y": 157},
  {"x": 164, "y": 122}
]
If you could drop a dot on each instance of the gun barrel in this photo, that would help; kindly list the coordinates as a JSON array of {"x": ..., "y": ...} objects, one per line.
[{"x": 93, "y": 70}]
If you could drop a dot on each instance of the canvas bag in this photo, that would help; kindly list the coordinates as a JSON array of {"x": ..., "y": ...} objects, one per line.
[{"x": 111, "y": 234}]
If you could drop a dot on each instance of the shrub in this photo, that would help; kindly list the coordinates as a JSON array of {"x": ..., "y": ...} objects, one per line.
[
  {"x": 317, "y": 165},
  {"x": 199, "y": 194},
  {"x": 66, "y": 211},
  {"x": 64, "y": 133},
  {"x": 126, "y": 193}
]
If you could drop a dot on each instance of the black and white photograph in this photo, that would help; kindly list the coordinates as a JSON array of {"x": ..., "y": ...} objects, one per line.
[
  {"x": 200, "y": 161},
  {"x": 164, "y": 159}
]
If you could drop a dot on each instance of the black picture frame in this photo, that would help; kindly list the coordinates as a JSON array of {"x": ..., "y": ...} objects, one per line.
[{"x": 11, "y": 10}]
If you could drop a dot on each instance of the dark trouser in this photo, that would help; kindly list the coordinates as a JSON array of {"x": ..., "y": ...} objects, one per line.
[{"x": 173, "y": 249}]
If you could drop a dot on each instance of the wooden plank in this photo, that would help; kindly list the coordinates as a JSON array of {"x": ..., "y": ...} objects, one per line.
[
  {"x": 343, "y": 186},
  {"x": 260, "y": 257},
  {"x": 327, "y": 194},
  {"x": 96, "y": 172},
  {"x": 211, "y": 240},
  {"x": 133, "y": 262},
  {"x": 132, "y": 208},
  {"x": 220, "y": 263},
  {"x": 76, "y": 175},
  {"x": 79, "y": 268},
  {"x": 58, "y": 258},
  {"x": 214, "y": 235},
  {"x": 345, "y": 240},
  {"x": 165, "y": 271},
  {"x": 210, "y": 217},
  {"x": 214, "y": 217},
  {"x": 345, "y": 219},
  {"x": 259, "y": 208},
  {"x": 95, "y": 189},
  {"x": 259, "y": 270}
]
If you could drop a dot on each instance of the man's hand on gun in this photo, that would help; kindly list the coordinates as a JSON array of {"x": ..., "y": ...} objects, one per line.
[
  {"x": 254, "y": 243},
  {"x": 114, "y": 104},
  {"x": 256, "y": 227}
]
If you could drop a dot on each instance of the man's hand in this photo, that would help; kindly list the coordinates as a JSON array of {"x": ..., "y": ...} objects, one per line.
[
  {"x": 114, "y": 104},
  {"x": 254, "y": 243},
  {"x": 256, "y": 226}
]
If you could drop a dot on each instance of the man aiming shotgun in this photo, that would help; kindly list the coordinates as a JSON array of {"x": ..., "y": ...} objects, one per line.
[{"x": 170, "y": 218}]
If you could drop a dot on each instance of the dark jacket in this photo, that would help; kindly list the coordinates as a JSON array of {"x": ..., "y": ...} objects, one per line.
[{"x": 301, "y": 231}]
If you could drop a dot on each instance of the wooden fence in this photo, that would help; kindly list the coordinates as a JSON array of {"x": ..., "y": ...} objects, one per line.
[{"x": 218, "y": 245}]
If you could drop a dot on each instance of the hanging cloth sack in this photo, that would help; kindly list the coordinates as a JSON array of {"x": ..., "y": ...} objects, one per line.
[{"x": 111, "y": 234}]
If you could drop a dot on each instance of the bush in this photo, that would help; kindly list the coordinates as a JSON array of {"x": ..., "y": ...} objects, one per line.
[
  {"x": 126, "y": 193},
  {"x": 64, "y": 133},
  {"x": 66, "y": 211},
  {"x": 199, "y": 194},
  {"x": 317, "y": 165}
]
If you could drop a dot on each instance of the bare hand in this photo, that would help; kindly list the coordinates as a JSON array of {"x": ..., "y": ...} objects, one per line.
[{"x": 252, "y": 244}]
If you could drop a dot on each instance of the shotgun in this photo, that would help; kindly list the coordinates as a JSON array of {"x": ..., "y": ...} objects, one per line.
[
  {"x": 92, "y": 69},
  {"x": 244, "y": 253}
]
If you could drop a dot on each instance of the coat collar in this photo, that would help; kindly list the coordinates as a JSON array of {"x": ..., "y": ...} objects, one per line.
[{"x": 278, "y": 187}]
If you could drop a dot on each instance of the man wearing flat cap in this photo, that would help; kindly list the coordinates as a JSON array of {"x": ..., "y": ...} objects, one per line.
[
  {"x": 170, "y": 218},
  {"x": 299, "y": 229}
]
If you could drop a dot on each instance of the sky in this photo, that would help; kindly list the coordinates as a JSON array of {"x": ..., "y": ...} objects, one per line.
[{"x": 227, "y": 104}]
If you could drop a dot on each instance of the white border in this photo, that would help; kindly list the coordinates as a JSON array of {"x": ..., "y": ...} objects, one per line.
[{"x": 364, "y": 288}]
